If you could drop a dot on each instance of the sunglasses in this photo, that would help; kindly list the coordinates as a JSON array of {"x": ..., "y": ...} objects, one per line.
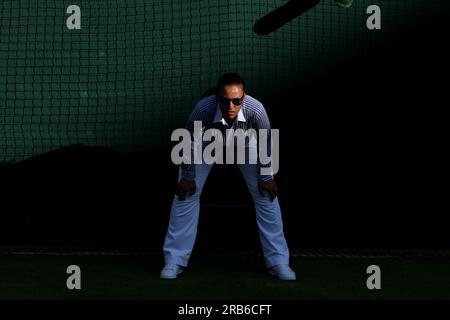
[{"x": 226, "y": 101}]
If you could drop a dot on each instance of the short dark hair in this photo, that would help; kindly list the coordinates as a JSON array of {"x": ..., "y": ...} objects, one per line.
[{"x": 230, "y": 78}]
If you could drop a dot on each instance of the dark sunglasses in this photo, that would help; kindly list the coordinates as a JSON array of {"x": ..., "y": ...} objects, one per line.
[{"x": 226, "y": 101}]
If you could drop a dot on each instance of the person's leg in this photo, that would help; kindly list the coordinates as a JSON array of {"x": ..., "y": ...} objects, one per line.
[
  {"x": 268, "y": 217},
  {"x": 183, "y": 222}
]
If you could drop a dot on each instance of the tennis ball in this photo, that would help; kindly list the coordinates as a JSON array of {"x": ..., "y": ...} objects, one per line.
[{"x": 344, "y": 3}]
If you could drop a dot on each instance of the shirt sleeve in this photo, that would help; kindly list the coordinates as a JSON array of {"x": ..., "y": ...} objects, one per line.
[
  {"x": 188, "y": 169},
  {"x": 262, "y": 122}
]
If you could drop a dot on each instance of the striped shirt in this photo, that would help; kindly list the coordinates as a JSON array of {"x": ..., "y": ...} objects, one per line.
[{"x": 252, "y": 115}]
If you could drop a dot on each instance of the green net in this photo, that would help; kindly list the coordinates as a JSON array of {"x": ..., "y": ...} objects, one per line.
[{"x": 135, "y": 69}]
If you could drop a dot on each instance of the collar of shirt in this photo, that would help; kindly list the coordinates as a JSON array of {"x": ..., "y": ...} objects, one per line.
[{"x": 218, "y": 117}]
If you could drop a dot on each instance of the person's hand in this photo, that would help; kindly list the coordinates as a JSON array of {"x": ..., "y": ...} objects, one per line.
[
  {"x": 184, "y": 188},
  {"x": 270, "y": 187}
]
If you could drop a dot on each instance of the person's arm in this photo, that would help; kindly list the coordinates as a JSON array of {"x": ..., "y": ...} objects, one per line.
[
  {"x": 266, "y": 181},
  {"x": 186, "y": 185},
  {"x": 188, "y": 169},
  {"x": 262, "y": 123}
]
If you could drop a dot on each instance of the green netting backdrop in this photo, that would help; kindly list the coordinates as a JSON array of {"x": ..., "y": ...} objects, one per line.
[{"x": 135, "y": 69}]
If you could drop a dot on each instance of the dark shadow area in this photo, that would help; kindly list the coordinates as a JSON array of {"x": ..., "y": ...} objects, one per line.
[
  {"x": 372, "y": 141},
  {"x": 96, "y": 196},
  {"x": 282, "y": 15},
  {"x": 364, "y": 163}
]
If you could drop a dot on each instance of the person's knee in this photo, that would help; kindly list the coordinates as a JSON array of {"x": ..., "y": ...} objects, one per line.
[
  {"x": 263, "y": 199},
  {"x": 194, "y": 196}
]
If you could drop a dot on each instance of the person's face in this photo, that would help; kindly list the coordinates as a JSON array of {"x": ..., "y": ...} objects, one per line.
[{"x": 225, "y": 99}]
